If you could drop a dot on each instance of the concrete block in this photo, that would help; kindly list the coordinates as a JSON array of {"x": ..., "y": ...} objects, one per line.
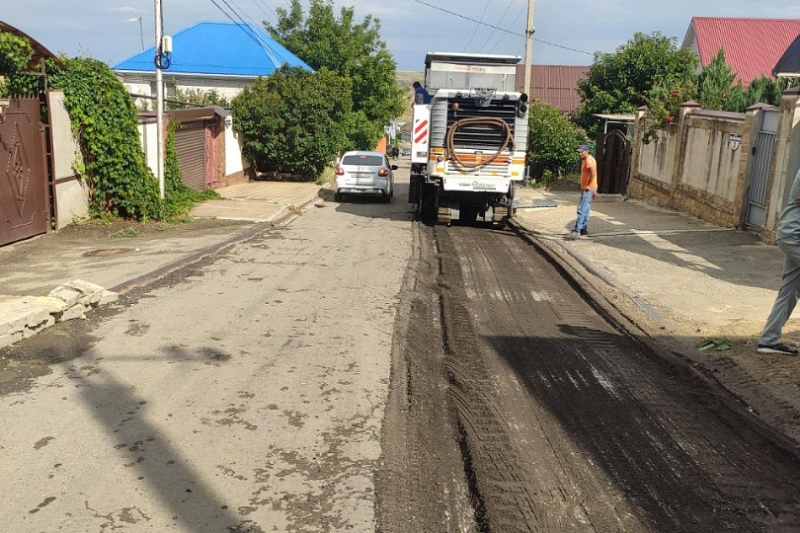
[
  {"x": 68, "y": 295},
  {"x": 54, "y": 306},
  {"x": 91, "y": 292},
  {"x": 74, "y": 312},
  {"x": 107, "y": 297},
  {"x": 19, "y": 313},
  {"x": 27, "y": 333},
  {"x": 10, "y": 338}
]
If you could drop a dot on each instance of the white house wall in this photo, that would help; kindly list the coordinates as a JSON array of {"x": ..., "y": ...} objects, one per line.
[
  {"x": 148, "y": 135},
  {"x": 144, "y": 84},
  {"x": 233, "y": 150}
]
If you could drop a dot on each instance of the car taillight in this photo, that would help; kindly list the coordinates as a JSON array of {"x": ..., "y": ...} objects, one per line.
[
  {"x": 339, "y": 171},
  {"x": 383, "y": 172}
]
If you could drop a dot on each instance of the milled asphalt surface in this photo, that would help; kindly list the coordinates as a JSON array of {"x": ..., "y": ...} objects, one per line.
[{"x": 692, "y": 279}]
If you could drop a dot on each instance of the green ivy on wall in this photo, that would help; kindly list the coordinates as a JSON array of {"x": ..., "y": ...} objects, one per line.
[{"x": 103, "y": 119}]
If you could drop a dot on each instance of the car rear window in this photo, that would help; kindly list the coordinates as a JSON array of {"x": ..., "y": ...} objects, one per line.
[{"x": 363, "y": 160}]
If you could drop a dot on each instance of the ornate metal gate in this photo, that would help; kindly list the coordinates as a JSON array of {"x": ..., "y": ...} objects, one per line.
[
  {"x": 24, "y": 206},
  {"x": 613, "y": 163}
]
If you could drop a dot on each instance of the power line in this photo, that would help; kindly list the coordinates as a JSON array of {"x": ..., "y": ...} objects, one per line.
[
  {"x": 477, "y": 25},
  {"x": 500, "y": 40},
  {"x": 501, "y": 29},
  {"x": 247, "y": 29},
  {"x": 498, "y": 22},
  {"x": 262, "y": 9}
]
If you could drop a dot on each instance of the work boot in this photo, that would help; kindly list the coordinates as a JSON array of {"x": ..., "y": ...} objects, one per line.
[
  {"x": 571, "y": 236},
  {"x": 584, "y": 232}
]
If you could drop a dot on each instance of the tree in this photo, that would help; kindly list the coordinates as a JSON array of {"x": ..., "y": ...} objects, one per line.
[
  {"x": 352, "y": 50},
  {"x": 552, "y": 140},
  {"x": 15, "y": 55},
  {"x": 768, "y": 91},
  {"x": 619, "y": 82},
  {"x": 718, "y": 88},
  {"x": 714, "y": 88},
  {"x": 664, "y": 102},
  {"x": 293, "y": 121}
]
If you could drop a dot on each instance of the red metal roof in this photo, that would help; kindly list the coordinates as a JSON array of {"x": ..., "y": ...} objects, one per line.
[
  {"x": 752, "y": 46},
  {"x": 555, "y": 84}
]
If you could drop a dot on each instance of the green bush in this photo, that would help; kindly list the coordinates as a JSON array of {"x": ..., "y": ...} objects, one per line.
[
  {"x": 15, "y": 56},
  {"x": 551, "y": 142},
  {"x": 294, "y": 121}
]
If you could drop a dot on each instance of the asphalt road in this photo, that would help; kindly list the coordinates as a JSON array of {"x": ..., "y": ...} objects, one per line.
[
  {"x": 359, "y": 371},
  {"x": 245, "y": 393}
]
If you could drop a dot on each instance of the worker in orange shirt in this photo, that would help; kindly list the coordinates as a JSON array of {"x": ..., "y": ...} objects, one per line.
[{"x": 588, "y": 192}]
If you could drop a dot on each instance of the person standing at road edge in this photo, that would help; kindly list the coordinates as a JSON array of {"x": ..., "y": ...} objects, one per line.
[
  {"x": 588, "y": 192},
  {"x": 788, "y": 239}
]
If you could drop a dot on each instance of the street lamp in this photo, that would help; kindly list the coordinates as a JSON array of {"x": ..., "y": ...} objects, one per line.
[{"x": 141, "y": 30}]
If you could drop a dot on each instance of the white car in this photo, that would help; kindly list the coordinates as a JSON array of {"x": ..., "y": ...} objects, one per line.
[{"x": 364, "y": 173}]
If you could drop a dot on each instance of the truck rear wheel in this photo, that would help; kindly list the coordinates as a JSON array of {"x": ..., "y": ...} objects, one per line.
[
  {"x": 468, "y": 214},
  {"x": 428, "y": 207}
]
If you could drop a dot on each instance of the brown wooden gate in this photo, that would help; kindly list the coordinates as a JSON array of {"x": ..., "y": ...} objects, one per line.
[
  {"x": 613, "y": 162},
  {"x": 24, "y": 205}
]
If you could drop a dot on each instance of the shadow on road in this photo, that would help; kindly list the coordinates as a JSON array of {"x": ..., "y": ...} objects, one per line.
[{"x": 154, "y": 461}]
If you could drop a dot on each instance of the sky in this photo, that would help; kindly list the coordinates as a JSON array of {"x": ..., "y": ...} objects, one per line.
[{"x": 566, "y": 33}]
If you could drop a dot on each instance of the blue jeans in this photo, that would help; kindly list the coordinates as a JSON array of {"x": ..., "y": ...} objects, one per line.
[{"x": 583, "y": 209}]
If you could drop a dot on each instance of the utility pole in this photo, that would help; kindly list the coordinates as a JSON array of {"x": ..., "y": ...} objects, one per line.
[
  {"x": 529, "y": 48},
  {"x": 159, "y": 99}
]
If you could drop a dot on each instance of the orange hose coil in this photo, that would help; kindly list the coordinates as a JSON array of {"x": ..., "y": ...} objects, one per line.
[{"x": 492, "y": 121}]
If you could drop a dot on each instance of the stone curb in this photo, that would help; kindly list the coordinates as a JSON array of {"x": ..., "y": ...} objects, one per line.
[{"x": 25, "y": 316}]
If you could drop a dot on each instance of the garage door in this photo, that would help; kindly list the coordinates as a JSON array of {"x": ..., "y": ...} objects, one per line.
[{"x": 190, "y": 144}]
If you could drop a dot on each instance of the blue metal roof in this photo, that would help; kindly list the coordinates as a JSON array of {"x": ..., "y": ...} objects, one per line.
[{"x": 219, "y": 48}]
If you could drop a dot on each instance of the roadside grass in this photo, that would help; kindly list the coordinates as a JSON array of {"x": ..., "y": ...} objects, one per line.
[
  {"x": 128, "y": 232},
  {"x": 121, "y": 228},
  {"x": 328, "y": 175}
]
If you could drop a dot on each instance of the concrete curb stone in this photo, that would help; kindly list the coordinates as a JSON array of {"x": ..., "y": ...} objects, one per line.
[{"x": 24, "y": 317}]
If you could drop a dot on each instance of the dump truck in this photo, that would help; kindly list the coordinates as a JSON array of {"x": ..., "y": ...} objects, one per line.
[{"x": 469, "y": 143}]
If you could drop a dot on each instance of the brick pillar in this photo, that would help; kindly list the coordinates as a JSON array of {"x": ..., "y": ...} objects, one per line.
[{"x": 636, "y": 147}]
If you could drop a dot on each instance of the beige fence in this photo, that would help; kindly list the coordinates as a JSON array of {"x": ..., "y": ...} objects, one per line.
[{"x": 704, "y": 163}]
